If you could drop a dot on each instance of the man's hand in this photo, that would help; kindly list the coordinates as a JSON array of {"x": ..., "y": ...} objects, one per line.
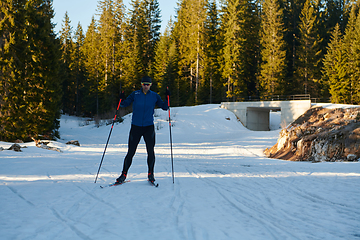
[
  {"x": 167, "y": 93},
  {"x": 122, "y": 95}
]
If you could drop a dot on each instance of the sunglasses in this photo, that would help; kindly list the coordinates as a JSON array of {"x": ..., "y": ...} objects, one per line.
[{"x": 146, "y": 84}]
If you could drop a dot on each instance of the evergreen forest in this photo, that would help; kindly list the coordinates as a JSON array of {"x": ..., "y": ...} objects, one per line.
[{"x": 211, "y": 51}]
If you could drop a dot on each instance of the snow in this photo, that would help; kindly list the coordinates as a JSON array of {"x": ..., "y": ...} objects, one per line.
[
  {"x": 225, "y": 187},
  {"x": 332, "y": 106}
]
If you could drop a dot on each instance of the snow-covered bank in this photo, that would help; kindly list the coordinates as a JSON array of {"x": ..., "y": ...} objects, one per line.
[{"x": 225, "y": 188}]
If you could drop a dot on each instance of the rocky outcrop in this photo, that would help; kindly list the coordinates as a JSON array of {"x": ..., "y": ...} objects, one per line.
[{"x": 320, "y": 134}]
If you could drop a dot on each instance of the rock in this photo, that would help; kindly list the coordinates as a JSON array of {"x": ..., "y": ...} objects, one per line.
[
  {"x": 351, "y": 157},
  {"x": 16, "y": 147},
  {"x": 74, "y": 142}
]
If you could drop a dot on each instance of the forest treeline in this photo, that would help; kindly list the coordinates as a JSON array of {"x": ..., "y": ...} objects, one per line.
[{"x": 211, "y": 51}]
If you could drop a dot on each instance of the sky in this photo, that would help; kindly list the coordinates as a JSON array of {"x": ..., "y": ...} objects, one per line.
[{"x": 83, "y": 10}]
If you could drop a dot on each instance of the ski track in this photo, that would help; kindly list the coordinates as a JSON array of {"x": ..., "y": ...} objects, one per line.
[
  {"x": 251, "y": 208},
  {"x": 246, "y": 205},
  {"x": 224, "y": 188},
  {"x": 70, "y": 225},
  {"x": 20, "y": 196},
  {"x": 239, "y": 206}
]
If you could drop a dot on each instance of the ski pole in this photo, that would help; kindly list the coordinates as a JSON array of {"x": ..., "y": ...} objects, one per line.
[
  {"x": 172, "y": 159},
  {"x": 108, "y": 138}
]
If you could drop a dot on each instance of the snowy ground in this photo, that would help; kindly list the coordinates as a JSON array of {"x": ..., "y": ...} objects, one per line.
[{"x": 225, "y": 188}]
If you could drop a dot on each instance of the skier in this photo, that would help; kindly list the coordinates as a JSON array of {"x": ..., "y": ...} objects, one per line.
[{"x": 142, "y": 125}]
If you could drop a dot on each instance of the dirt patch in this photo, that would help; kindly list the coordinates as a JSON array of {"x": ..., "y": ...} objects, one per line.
[{"x": 320, "y": 134}]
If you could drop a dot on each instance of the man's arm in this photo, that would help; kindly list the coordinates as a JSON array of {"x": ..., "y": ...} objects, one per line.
[{"x": 128, "y": 100}]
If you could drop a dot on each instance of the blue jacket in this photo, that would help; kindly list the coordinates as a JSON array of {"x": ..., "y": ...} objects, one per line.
[{"x": 143, "y": 107}]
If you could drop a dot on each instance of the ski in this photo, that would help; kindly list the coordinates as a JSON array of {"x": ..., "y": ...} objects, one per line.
[
  {"x": 115, "y": 184},
  {"x": 154, "y": 184}
]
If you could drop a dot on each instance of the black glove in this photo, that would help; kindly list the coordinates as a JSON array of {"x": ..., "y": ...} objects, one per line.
[
  {"x": 122, "y": 95},
  {"x": 167, "y": 93}
]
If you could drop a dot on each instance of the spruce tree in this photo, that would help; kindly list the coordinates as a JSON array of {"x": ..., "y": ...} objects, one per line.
[
  {"x": 30, "y": 104},
  {"x": 92, "y": 58},
  {"x": 185, "y": 76},
  {"x": 351, "y": 50},
  {"x": 66, "y": 67},
  {"x": 110, "y": 30},
  {"x": 134, "y": 45},
  {"x": 189, "y": 35},
  {"x": 165, "y": 65},
  {"x": 272, "y": 52},
  {"x": 335, "y": 68},
  {"x": 240, "y": 51},
  {"x": 162, "y": 60},
  {"x": 232, "y": 52},
  {"x": 120, "y": 23},
  {"x": 291, "y": 19},
  {"x": 251, "y": 52},
  {"x": 7, "y": 68},
  {"x": 356, "y": 58},
  {"x": 79, "y": 70},
  {"x": 153, "y": 20},
  {"x": 309, "y": 51},
  {"x": 107, "y": 33},
  {"x": 140, "y": 38},
  {"x": 212, "y": 85}
]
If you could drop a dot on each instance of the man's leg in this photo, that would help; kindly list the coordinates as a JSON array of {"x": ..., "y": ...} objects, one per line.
[
  {"x": 149, "y": 138},
  {"x": 134, "y": 139}
]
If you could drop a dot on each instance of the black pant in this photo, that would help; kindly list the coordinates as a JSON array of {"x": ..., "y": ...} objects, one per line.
[{"x": 135, "y": 135}]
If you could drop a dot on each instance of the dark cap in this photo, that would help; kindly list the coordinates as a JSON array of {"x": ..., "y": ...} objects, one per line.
[{"x": 146, "y": 79}]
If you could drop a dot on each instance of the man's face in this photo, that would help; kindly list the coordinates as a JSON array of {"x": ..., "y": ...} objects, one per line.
[{"x": 146, "y": 86}]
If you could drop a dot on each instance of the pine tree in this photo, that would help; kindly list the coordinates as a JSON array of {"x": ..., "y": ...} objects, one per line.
[
  {"x": 251, "y": 53},
  {"x": 107, "y": 32},
  {"x": 92, "y": 58},
  {"x": 351, "y": 50},
  {"x": 140, "y": 38},
  {"x": 30, "y": 104},
  {"x": 356, "y": 59},
  {"x": 7, "y": 67},
  {"x": 309, "y": 52},
  {"x": 134, "y": 44},
  {"x": 79, "y": 70},
  {"x": 120, "y": 23},
  {"x": 185, "y": 75},
  {"x": 335, "y": 68},
  {"x": 153, "y": 20},
  {"x": 232, "y": 51},
  {"x": 66, "y": 67},
  {"x": 110, "y": 29},
  {"x": 165, "y": 65},
  {"x": 189, "y": 35},
  {"x": 291, "y": 19},
  {"x": 240, "y": 34},
  {"x": 273, "y": 53},
  {"x": 162, "y": 60},
  {"x": 212, "y": 85}
]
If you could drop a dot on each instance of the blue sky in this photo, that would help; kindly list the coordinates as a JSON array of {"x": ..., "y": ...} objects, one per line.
[{"x": 83, "y": 10}]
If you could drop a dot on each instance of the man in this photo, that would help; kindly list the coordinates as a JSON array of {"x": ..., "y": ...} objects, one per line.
[{"x": 142, "y": 125}]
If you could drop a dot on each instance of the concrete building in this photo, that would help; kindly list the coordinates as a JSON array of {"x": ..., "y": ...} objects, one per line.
[{"x": 255, "y": 115}]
